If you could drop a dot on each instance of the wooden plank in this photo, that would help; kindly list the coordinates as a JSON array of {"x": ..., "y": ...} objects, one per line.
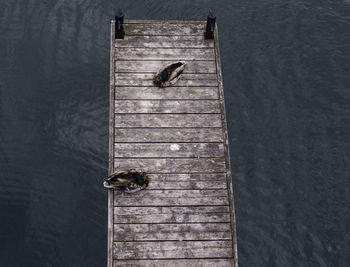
[
  {"x": 150, "y": 21},
  {"x": 167, "y": 106},
  {"x": 181, "y": 232},
  {"x": 188, "y": 181},
  {"x": 227, "y": 152},
  {"x": 171, "y": 198},
  {"x": 130, "y": 53},
  {"x": 174, "y": 263},
  {"x": 167, "y": 120},
  {"x": 152, "y": 66},
  {"x": 195, "y": 214},
  {"x": 168, "y": 150},
  {"x": 172, "y": 165},
  {"x": 111, "y": 146},
  {"x": 165, "y": 29},
  {"x": 151, "y": 135},
  {"x": 168, "y": 93},
  {"x": 172, "y": 249},
  {"x": 145, "y": 79},
  {"x": 168, "y": 41}
]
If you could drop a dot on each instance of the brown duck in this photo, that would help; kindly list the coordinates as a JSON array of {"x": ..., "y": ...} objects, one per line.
[{"x": 169, "y": 74}]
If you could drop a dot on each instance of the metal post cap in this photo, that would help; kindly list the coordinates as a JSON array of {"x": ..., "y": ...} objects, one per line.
[
  {"x": 119, "y": 14},
  {"x": 211, "y": 15}
]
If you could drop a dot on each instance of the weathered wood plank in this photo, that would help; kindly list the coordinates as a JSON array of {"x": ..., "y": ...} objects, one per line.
[
  {"x": 181, "y": 232},
  {"x": 167, "y": 106},
  {"x": 188, "y": 181},
  {"x": 174, "y": 263},
  {"x": 168, "y": 93},
  {"x": 111, "y": 145},
  {"x": 150, "y": 21},
  {"x": 172, "y": 249},
  {"x": 138, "y": 79},
  {"x": 227, "y": 152},
  {"x": 165, "y": 29},
  {"x": 152, "y": 66},
  {"x": 172, "y": 165},
  {"x": 145, "y": 79},
  {"x": 167, "y": 120},
  {"x": 196, "y": 214},
  {"x": 130, "y": 53},
  {"x": 171, "y": 198},
  {"x": 168, "y": 41},
  {"x": 168, "y": 135},
  {"x": 168, "y": 150}
]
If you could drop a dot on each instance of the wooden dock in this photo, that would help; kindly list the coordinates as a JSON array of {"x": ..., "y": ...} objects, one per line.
[{"x": 177, "y": 135}]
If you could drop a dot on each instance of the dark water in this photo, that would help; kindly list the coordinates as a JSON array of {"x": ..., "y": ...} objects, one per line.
[{"x": 286, "y": 70}]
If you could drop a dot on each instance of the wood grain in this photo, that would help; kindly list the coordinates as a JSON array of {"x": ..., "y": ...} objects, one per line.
[
  {"x": 175, "y": 54},
  {"x": 153, "y": 66},
  {"x": 168, "y": 150},
  {"x": 194, "y": 214},
  {"x": 174, "y": 263},
  {"x": 171, "y": 198},
  {"x": 167, "y": 106},
  {"x": 151, "y": 135},
  {"x": 169, "y": 41},
  {"x": 172, "y": 249},
  {"x": 167, "y": 120},
  {"x": 165, "y": 29},
  {"x": 172, "y": 165},
  {"x": 227, "y": 151},
  {"x": 111, "y": 146},
  {"x": 146, "y": 79},
  {"x": 172, "y": 92},
  {"x": 188, "y": 181},
  {"x": 164, "y": 22},
  {"x": 181, "y": 232}
]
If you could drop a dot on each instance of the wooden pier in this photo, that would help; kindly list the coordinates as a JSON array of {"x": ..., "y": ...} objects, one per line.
[{"x": 177, "y": 135}]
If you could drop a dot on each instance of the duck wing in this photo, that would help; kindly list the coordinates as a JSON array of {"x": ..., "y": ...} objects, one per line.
[{"x": 126, "y": 181}]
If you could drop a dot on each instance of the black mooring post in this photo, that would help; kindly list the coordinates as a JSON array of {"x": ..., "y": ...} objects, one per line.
[
  {"x": 209, "y": 32},
  {"x": 119, "y": 29}
]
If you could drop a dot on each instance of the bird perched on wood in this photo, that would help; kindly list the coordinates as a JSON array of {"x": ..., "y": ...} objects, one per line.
[
  {"x": 129, "y": 181},
  {"x": 169, "y": 74}
]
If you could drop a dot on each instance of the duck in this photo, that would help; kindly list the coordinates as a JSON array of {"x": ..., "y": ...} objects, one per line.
[
  {"x": 169, "y": 74},
  {"x": 129, "y": 181}
]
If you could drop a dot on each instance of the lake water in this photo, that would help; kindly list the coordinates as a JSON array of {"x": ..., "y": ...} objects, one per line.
[{"x": 286, "y": 72}]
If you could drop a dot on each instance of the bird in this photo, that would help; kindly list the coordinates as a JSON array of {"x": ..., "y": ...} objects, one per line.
[
  {"x": 129, "y": 181},
  {"x": 169, "y": 74}
]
